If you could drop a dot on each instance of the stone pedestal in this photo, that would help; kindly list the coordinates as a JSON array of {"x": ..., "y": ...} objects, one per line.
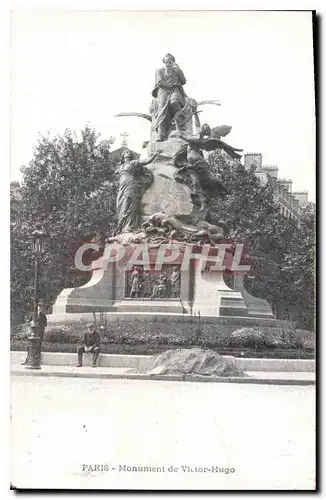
[
  {"x": 109, "y": 289},
  {"x": 212, "y": 297},
  {"x": 257, "y": 307},
  {"x": 97, "y": 295},
  {"x": 146, "y": 305}
]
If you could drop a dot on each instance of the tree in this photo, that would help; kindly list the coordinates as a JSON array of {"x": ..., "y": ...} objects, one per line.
[
  {"x": 300, "y": 266},
  {"x": 69, "y": 189},
  {"x": 282, "y": 254}
]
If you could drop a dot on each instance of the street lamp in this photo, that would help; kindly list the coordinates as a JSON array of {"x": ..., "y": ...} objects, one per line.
[{"x": 34, "y": 350}]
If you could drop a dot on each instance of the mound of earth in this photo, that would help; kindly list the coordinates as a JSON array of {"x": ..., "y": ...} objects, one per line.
[{"x": 189, "y": 362}]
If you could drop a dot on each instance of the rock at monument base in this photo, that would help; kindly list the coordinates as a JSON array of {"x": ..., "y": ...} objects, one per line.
[{"x": 189, "y": 361}]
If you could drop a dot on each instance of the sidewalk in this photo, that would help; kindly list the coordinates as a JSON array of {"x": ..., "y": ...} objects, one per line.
[{"x": 271, "y": 378}]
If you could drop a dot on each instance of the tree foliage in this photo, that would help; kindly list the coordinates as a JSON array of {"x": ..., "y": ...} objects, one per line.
[
  {"x": 282, "y": 253},
  {"x": 68, "y": 189}
]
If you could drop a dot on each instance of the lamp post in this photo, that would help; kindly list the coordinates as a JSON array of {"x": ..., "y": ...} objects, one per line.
[{"x": 34, "y": 350}]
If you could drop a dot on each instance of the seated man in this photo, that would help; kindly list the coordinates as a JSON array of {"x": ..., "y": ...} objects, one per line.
[{"x": 91, "y": 343}]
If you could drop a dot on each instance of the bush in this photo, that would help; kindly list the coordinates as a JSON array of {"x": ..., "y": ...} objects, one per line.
[
  {"x": 307, "y": 344},
  {"x": 290, "y": 338},
  {"x": 141, "y": 335},
  {"x": 21, "y": 332},
  {"x": 284, "y": 339},
  {"x": 60, "y": 335},
  {"x": 147, "y": 349},
  {"x": 247, "y": 337}
]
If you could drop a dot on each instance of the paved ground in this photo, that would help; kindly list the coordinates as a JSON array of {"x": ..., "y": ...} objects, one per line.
[{"x": 266, "y": 433}]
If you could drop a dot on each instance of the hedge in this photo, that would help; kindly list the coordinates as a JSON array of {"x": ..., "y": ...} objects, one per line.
[
  {"x": 277, "y": 353},
  {"x": 124, "y": 339}
]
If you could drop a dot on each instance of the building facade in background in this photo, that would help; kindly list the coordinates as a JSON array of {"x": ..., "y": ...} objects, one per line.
[
  {"x": 291, "y": 203},
  {"x": 15, "y": 197}
]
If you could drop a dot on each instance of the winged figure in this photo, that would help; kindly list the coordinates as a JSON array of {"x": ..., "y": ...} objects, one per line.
[
  {"x": 194, "y": 170},
  {"x": 220, "y": 131},
  {"x": 206, "y": 141}
]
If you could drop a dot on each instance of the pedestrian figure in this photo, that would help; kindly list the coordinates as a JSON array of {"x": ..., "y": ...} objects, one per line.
[
  {"x": 41, "y": 323},
  {"x": 90, "y": 343}
]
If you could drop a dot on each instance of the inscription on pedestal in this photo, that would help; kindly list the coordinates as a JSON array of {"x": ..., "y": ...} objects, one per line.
[
  {"x": 165, "y": 194},
  {"x": 168, "y": 148}
]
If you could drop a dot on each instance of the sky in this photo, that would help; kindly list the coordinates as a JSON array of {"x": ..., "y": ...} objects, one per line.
[{"x": 75, "y": 68}]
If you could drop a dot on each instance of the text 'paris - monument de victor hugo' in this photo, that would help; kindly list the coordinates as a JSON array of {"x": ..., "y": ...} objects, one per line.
[{"x": 164, "y": 206}]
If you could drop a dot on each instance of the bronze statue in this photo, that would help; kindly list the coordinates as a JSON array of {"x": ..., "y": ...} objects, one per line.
[
  {"x": 182, "y": 119},
  {"x": 220, "y": 131},
  {"x": 175, "y": 282},
  {"x": 193, "y": 169},
  {"x": 153, "y": 285},
  {"x": 169, "y": 96},
  {"x": 134, "y": 180},
  {"x": 162, "y": 228},
  {"x": 161, "y": 289},
  {"x": 147, "y": 284},
  {"x": 172, "y": 109},
  {"x": 135, "y": 283}
]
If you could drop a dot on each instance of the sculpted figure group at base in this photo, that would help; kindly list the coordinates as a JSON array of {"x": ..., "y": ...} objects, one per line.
[{"x": 154, "y": 284}]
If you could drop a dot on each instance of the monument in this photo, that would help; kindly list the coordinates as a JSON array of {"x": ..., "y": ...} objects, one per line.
[{"x": 169, "y": 237}]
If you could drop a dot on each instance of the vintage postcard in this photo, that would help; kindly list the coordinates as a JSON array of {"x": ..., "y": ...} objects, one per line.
[{"x": 162, "y": 205}]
